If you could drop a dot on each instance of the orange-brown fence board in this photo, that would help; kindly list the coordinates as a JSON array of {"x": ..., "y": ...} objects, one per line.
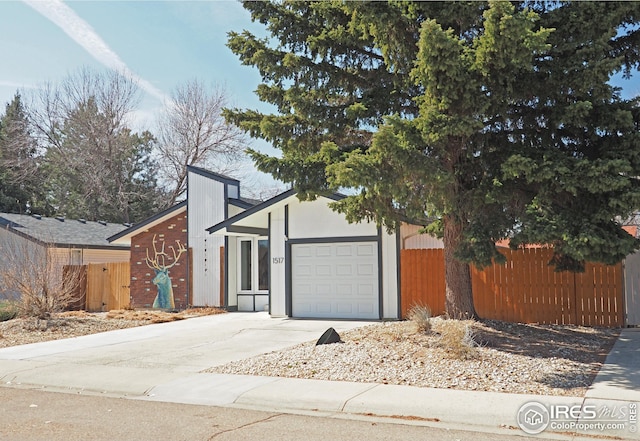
[
  {"x": 523, "y": 289},
  {"x": 422, "y": 276},
  {"x": 119, "y": 279},
  {"x": 106, "y": 286}
]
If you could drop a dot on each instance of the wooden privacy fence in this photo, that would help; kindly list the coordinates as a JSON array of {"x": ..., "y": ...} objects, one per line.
[
  {"x": 103, "y": 287},
  {"x": 525, "y": 289}
]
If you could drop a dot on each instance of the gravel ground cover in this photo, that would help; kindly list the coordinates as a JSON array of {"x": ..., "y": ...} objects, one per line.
[
  {"x": 482, "y": 355},
  {"x": 503, "y": 357}
]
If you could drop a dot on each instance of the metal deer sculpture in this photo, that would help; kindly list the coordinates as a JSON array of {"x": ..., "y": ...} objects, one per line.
[{"x": 164, "y": 299}]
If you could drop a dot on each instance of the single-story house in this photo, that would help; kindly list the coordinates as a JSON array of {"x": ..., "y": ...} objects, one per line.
[
  {"x": 194, "y": 274},
  {"x": 59, "y": 241},
  {"x": 302, "y": 259},
  {"x": 72, "y": 241}
]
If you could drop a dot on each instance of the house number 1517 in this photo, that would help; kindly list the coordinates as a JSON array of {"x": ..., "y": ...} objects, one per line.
[{"x": 278, "y": 260}]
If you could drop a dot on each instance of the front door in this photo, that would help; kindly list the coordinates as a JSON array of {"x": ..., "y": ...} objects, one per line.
[{"x": 253, "y": 274}]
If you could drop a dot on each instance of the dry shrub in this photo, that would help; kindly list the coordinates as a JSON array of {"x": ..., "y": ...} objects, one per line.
[
  {"x": 421, "y": 316},
  {"x": 457, "y": 338},
  {"x": 37, "y": 277},
  {"x": 8, "y": 311}
]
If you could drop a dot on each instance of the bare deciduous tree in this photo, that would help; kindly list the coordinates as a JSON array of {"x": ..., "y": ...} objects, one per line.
[
  {"x": 192, "y": 131},
  {"x": 114, "y": 94},
  {"x": 33, "y": 274},
  {"x": 97, "y": 167}
]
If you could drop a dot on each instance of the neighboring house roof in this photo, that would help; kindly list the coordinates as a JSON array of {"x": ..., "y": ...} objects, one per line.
[
  {"x": 124, "y": 237},
  {"x": 254, "y": 220},
  {"x": 631, "y": 229},
  {"x": 61, "y": 232},
  {"x": 213, "y": 175}
]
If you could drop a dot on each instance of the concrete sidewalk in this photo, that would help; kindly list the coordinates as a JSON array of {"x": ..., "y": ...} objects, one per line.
[{"x": 164, "y": 363}]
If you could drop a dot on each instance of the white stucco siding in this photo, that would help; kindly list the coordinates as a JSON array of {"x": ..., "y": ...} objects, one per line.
[
  {"x": 412, "y": 239},
  {"x": 233, "y": 210},
  {"x": 389, "y": 276},
  {"x": 277, "y": 264},
  {"x": 315, "y": 219},
  {"x": 206, "y": 207}
]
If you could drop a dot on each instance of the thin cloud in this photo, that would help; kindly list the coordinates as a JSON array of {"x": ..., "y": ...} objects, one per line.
[
  {"x": 82, "y": 33},
  {"x": 17, "y": 85}
]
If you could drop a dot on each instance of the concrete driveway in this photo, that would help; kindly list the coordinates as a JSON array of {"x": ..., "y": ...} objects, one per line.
[
  {"x": 134, "y": 361},
  {"x": 165, "y": 362}
]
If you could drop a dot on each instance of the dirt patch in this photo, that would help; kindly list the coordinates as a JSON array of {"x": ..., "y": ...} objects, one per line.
[{"x": 20, "y": 331}]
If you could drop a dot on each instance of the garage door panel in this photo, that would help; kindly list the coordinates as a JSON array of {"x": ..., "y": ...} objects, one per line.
[
  {"x": 365, "y": 270},
  {"x": 323, "y": 270},
  {"x": 304, "y": 309},
  {"x": 323, "y": 251},
  {"x": 365, "y": 309},
  {"x": 366, "y": 250},
  {"x": 344, "y": 289},
  {"x": 304, "y": 289},
  {"x": 344, "y": 270},
  {"x": 303, "y": 270},
  {"x": 303, "y": 251},
  {"x": 365, "y": 290},
  {"x": 344, "y": 250},
  {"x": 335, "y": 280}
]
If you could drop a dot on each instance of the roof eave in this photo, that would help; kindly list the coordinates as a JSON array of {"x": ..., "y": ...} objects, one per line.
[{"x": 157, "y": 218}]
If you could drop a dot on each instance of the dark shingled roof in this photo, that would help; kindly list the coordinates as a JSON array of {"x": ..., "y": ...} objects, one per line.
[{"x": 63, "y": 232}]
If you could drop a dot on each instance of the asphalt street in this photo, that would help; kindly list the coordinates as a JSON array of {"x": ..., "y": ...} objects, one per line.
[
  {"x": 32, "y": 415},
  {"x": 150, "y": 383}
]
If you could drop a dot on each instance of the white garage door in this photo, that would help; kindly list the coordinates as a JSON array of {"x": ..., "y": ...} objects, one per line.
[{"x": 335, "y": 280}]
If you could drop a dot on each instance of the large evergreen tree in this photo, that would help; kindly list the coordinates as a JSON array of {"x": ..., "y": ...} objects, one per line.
[
  {"x": 20, "y": 183},
  {"x": 481, "y": 120}
]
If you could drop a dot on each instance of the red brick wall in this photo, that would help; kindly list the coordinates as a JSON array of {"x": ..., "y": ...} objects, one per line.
[{"x": 143, "y": 291}]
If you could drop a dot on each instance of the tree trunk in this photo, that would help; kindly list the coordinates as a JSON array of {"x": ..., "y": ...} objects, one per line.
[{"x": 458, "y": 292}]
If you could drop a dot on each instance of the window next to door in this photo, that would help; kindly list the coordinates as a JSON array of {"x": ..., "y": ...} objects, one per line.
[
  {"x": 245, "y": 265},
  {"x": 253, "y": 265},
  {"x": 253, "y": 274},
  {"x": 263, "y": 265}
]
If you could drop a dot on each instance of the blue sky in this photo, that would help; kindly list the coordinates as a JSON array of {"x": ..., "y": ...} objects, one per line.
[{"x": 161, "y": 43}]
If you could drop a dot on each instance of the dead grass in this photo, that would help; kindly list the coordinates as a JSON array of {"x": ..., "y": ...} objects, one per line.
[
  {"x": 421, "y": 316},
  {"x": 25, "y": 330},
  {"x": 457, "y": 338},
  {"x": 154, "y": 316}
]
